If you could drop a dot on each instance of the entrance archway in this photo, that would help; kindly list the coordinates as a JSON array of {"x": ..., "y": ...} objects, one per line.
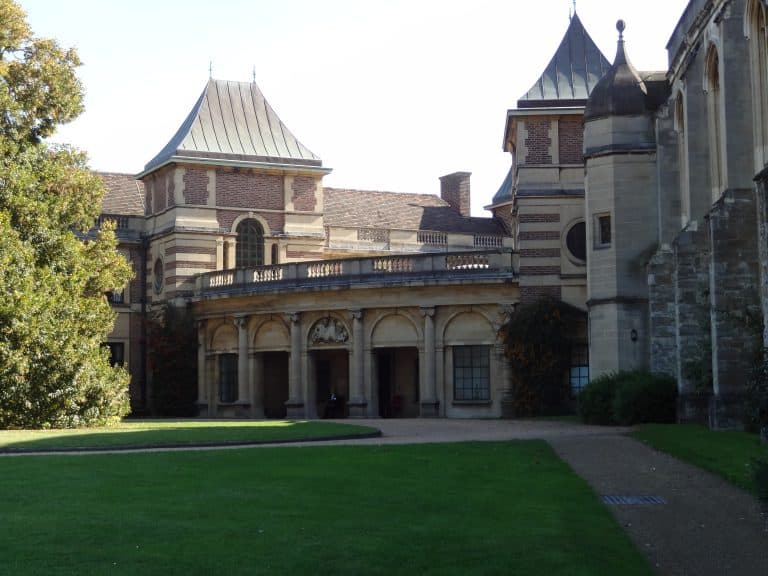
[
  {"x": 331, "y": 368},
  {"x": 275, "y": 365},
  {"x": 397, "y": 374}
]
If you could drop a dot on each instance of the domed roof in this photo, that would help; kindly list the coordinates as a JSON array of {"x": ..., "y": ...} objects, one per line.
[{"x": 621, "y": 92}]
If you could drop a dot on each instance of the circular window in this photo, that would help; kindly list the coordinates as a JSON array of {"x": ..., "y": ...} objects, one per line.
[
  {"x": 158, "y": 271},
  {"x": 576, "y": 241}
]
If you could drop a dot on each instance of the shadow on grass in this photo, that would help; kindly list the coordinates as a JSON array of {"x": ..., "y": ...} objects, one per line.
[{"x": 178, "y": 434}]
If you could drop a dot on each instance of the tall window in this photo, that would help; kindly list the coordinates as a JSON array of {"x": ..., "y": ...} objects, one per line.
[
  {"x": 471, "y": 373},
  {"x": 755, "y": 29},
  {"x": 601, "y": 238},
  {"x": 250, "y": 244},
  {"x": 227, "y": 378},
  {"x": 578, "y": 375},
  {"x": 682, "y": 160},
  {"x": 715, "y": 109},
  {"x": 116, "y": 353}
]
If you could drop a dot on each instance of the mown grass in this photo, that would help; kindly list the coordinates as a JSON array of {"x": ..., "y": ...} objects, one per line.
[
  {"x": 176, "y": 433},
  {"x": 468, "y": 508},
  {"x": 729, "y": 454}
]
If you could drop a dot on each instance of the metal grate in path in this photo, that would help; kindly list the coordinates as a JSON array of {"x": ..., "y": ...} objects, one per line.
[{"x": 632, "y": 500}]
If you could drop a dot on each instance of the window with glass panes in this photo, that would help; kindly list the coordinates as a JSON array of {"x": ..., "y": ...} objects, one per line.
[
  {"x": 228, "y": 377},
  {"x": 579, "y": 370},
  {"x": 250, "y": 244},
  {"x": 471, "y": 373}
]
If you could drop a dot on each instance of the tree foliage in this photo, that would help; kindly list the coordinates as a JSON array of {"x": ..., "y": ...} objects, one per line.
[
  {"x": 53, "y": 271},
  {"x": 538, "y": 340},
  {"x": 173, "y": 361}
]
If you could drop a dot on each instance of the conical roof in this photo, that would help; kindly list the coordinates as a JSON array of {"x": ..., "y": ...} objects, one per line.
[
  {"x": 621, "y": 92},
  {"x": 233, "y": 121},
  {"x": 571, "y": 75}
]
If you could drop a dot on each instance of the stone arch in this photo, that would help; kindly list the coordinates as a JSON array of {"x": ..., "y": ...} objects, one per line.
[
  {"x": 394, "y": 330},
  {"x": 713, "y": 76},
  {"x": 271, "y": 334},
  {"x": 251, "y": 216},
  {"x": 468, "y": 327},
  {"x": 755, "y": 30},
  {"x": 249, "y": 251},
  {"x": 224, "y": 339}
]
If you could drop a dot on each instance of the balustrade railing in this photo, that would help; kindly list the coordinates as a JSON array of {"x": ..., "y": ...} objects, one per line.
[
  {"x": 488, "y": 241},
  {"x": 364, "y": 269}
]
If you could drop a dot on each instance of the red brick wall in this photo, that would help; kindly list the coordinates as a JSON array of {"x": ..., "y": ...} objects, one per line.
[
  {"x": 159, "y": 193},
  {"x": 275, "y": 221},
  {"x": 148, "y": 197},
  {"x": 540, "y": 253},
  {"x": 196, "y": 186},
  {"x": 538, "y": 142},
  {"x": 505, "y": 215},
  {"x": 571, "y": 141},
  {"x": 455, "y": 189},
  {"x": 539, "y": 235},
  {"x": 536, "y": 218},
  {"x": 530, "y": 294},
  {"x": 304, "y": 193},
  {"x": 171, "y": 188},
  {"x": 539, "y": 270},
  {"x": 249, "y": 190}
]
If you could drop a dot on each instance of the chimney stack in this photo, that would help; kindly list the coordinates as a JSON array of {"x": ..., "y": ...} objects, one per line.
[{"x": 454, "y": 189}]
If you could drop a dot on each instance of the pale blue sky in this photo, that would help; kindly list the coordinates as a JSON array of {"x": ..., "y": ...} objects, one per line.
[{"x": 390, "y": 94}]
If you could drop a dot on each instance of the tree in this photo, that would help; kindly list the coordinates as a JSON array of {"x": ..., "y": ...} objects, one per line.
[{"x": 53, "y": 273}]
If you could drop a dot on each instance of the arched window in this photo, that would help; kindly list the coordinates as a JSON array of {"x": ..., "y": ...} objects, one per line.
[
  {"x": 250, "y": 244},
  {"x": 755, "y": 30},
  {"x": 275, "y": 254},
  {"x": 715, "y": 122},
  {"x": 682, "y": 160}
]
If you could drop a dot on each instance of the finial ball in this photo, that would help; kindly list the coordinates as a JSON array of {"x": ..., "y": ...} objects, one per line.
[{"x": 621, "y": 26}]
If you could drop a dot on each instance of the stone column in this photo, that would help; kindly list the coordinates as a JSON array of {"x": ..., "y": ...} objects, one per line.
[
  {"x": 295, "y": 404},
  {"x": 357, "y": 402},
  {"x": 202, "y": 396},
  {"x": 257, "y": 386},
  {"x": 429, "y": 402},
  {"x": 243, "y": 375}
]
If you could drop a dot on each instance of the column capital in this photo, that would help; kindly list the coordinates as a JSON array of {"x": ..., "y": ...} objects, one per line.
[
  {"x": 356, "y": 314},
  {"x": 201, "y": 324},
  {"x": 293, "y": 317},
  {"x": 427, "y": 312},
  {"x": 241, "y": 321}
]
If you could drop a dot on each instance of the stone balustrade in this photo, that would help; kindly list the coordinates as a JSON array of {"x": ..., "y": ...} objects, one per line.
[{"x": 442, "y": 267}]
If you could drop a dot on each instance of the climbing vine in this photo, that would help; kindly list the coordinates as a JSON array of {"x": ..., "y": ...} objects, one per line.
[{"x": 538, "y": 339}]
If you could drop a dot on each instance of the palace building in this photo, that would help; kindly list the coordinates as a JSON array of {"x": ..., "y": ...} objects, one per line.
[{"x": 638, "y": 197}]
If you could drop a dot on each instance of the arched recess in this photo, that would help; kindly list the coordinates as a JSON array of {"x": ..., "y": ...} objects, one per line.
[
  {"x": 468, "y": 327},
  {"x": 715, "y": 120},
  {"x": 468, "y": 341},
  {"x": 224, "y": 339},
  {"x": 394, "y": 330},
  {"x": 755, "y": 19},
  {"x": 272, "y": 334}
]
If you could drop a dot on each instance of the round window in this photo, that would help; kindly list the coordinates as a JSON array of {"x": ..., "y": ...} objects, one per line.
[
  {"x": 576, "y": 241},
  {"x": 158, "y": 271}
]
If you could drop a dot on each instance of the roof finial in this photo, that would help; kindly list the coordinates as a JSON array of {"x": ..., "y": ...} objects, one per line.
[
  {"x": 210, "y": 69},
  {"x": 621, "y": 26}
]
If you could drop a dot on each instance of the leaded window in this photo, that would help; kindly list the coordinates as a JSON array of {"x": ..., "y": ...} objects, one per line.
[
  {"x": 250, "y": 244},
  {"x": 471, "y": 373},
  {"x": 578, "y": 376}
]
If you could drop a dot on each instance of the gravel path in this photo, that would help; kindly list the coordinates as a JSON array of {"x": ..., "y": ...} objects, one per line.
[{"x": 706, "y": 528}]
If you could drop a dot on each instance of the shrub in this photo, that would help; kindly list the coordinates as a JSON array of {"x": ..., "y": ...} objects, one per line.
[
  {"x": 756, "y": 408},
  {"x": 596, "y": 400},
  {"x": 643, "y": 397},
  {"x": 628, "y": 398},
  {"x": 760, "y": 476}
]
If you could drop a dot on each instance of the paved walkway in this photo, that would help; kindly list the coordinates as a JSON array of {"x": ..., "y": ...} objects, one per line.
[{"x": 705, "y": 527}]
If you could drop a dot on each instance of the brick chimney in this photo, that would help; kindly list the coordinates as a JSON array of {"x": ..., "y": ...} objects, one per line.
[{"x": 454, "y": 189}]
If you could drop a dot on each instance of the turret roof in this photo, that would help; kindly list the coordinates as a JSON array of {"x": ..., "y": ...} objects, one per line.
[
  {"x": 233, "y": 121},
  {"x": 573, "y": 72}
]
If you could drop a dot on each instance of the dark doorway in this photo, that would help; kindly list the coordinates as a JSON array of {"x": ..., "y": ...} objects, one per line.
[
  {"x": 275, "y": 384},
  {"x": 331, "y": 383},
  {"x": 397, "y": 371}
]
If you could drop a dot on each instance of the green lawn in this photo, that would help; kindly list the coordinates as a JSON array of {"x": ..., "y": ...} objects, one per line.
[
  {"x": 726, "y": 453},
  {"x": 176, "y": 432},
  {"x": 469, "y": 508}
]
